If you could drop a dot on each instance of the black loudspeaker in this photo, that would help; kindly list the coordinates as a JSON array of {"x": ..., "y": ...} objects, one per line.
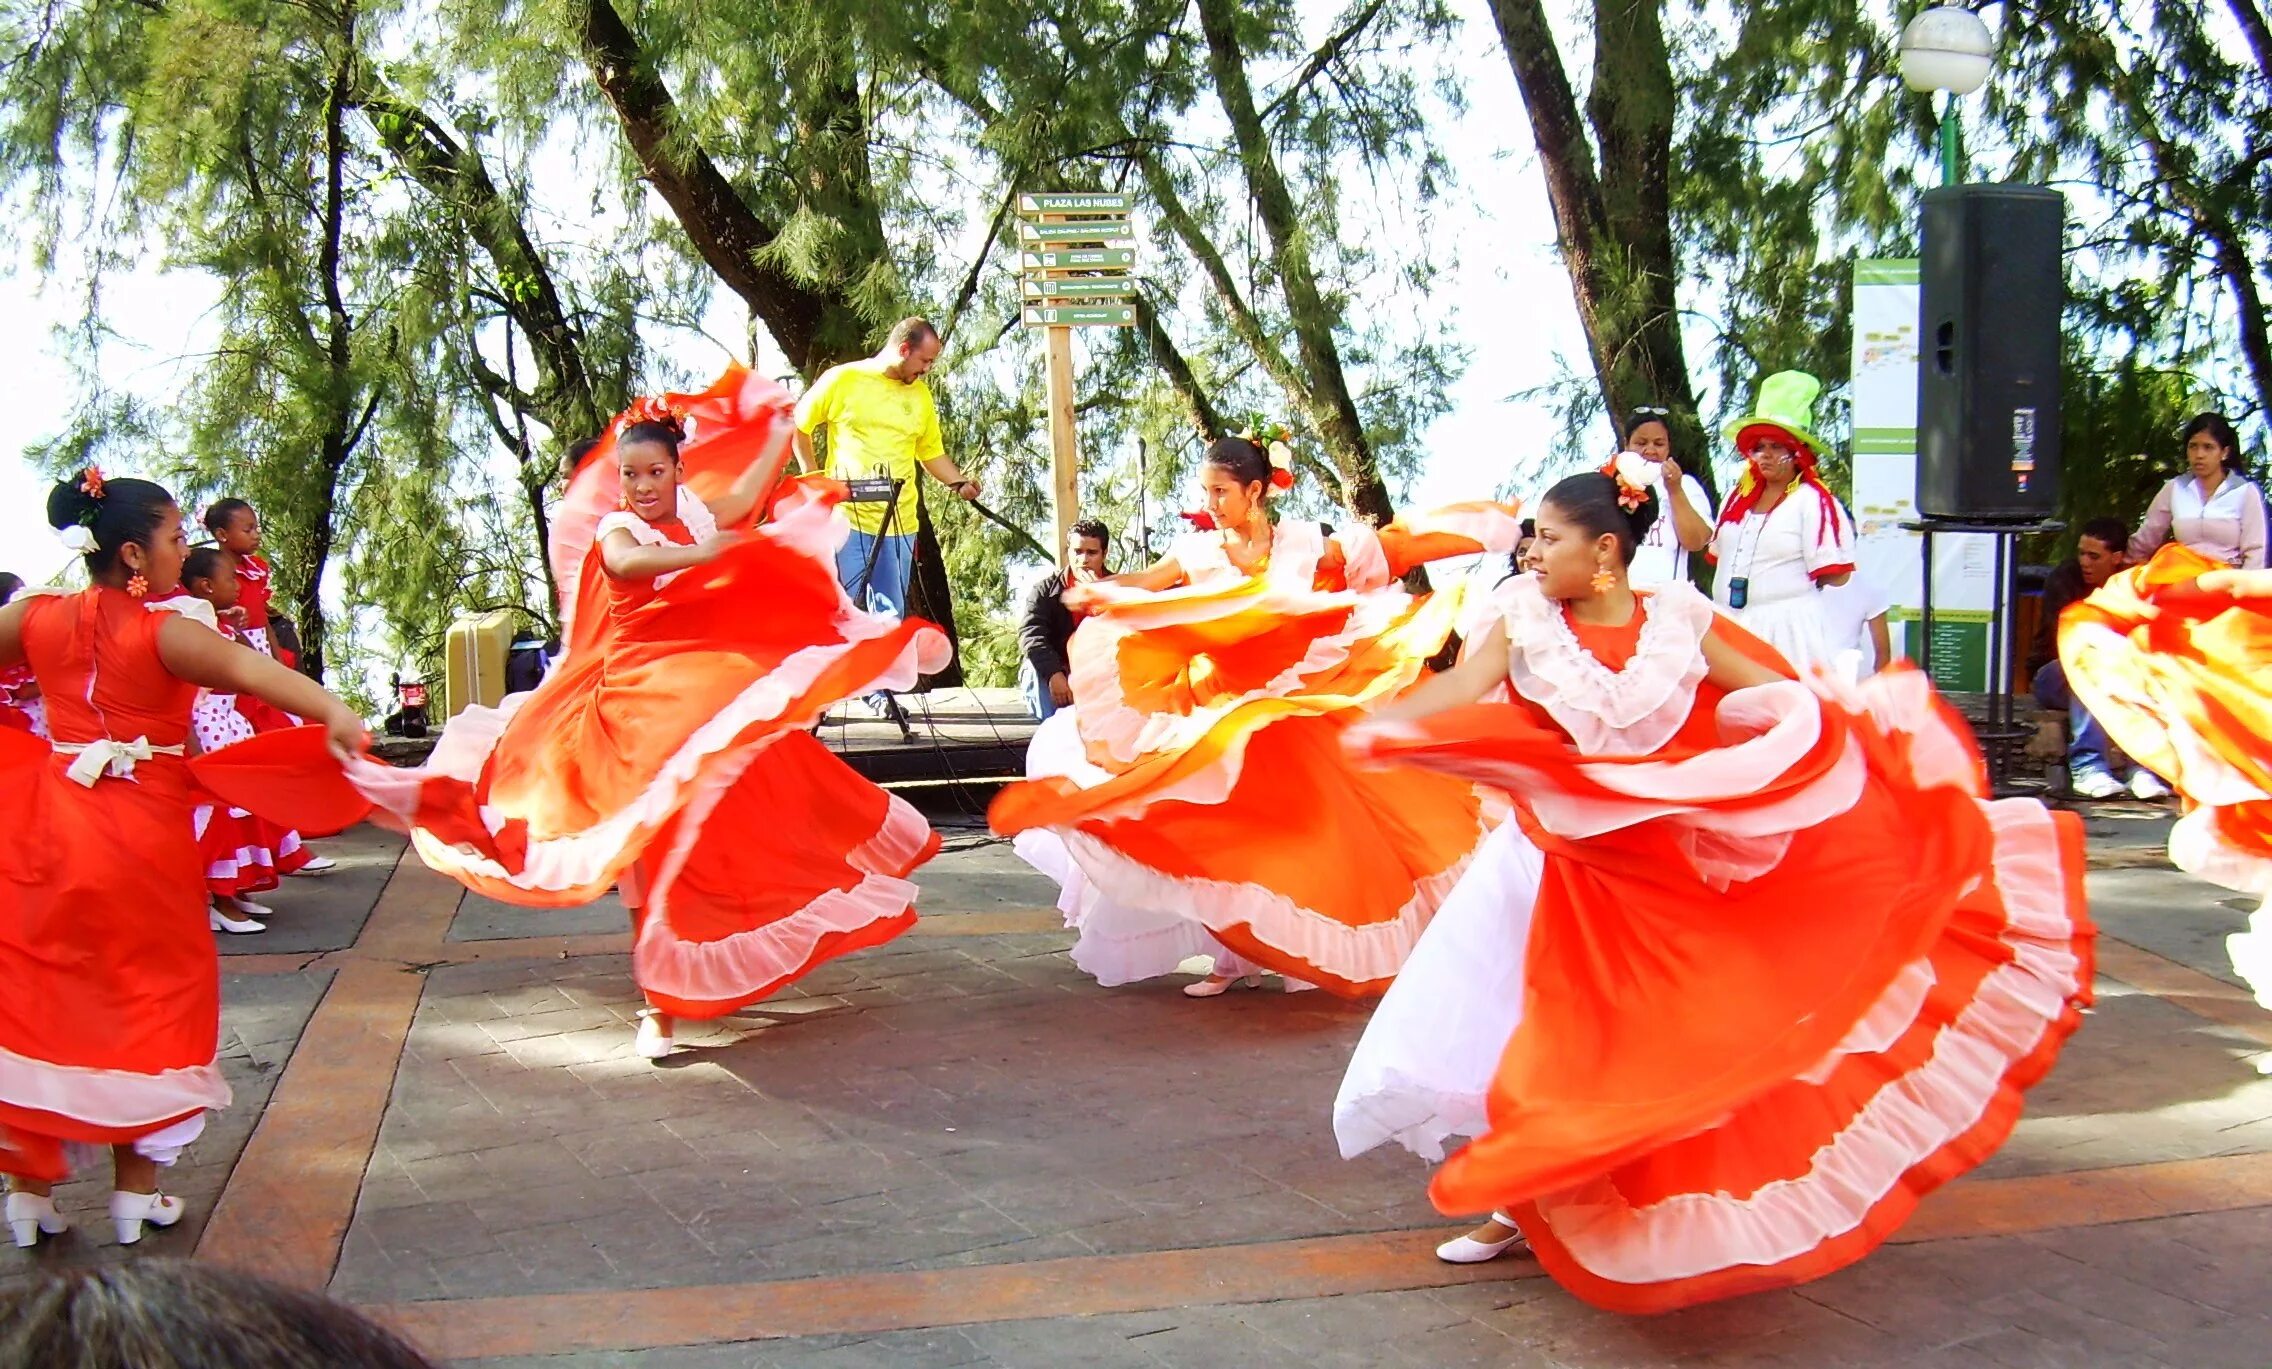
[{"x": 1989, "y": 363}]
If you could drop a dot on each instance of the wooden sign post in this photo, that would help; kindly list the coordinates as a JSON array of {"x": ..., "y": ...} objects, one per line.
[{"x": 1075, "y": 252}]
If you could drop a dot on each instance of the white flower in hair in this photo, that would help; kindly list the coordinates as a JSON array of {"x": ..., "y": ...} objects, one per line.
[
  {"x": 77, "y": 537},
  {"x": 1281, "y": 456},
  {"x": 1632, "y": 468}
]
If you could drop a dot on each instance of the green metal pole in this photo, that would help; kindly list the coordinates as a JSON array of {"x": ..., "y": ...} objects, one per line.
[{"x": 1952, "y": 141}]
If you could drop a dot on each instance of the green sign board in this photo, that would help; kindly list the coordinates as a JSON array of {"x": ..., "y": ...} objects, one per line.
[
  {"x": 1082, "y": 288},
  {"x": 1089, "y": 259},
  {"x": 1102, "y": 230},
  {"x": 1082, "y": 316},
  {"x": 1076, "y": 203}
]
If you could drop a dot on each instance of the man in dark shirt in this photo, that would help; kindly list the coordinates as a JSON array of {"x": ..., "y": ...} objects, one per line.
[
  {"x": 2099, "y": 552},
  {"x": 1048, "y": 625}
]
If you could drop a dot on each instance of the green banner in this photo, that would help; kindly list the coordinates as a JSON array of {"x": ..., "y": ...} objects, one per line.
[
  {"x": 1885, "y": 441},
  {"x": 1887, "y": 271}
]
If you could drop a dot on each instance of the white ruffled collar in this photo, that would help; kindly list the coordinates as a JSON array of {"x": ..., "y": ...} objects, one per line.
[
  {"x": 1632, "y": 710},
  {"x": 696, "y": 515}
]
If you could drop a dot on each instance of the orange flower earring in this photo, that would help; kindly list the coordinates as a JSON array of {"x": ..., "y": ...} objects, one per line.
[
  {"x": 137, "y": 586},
  {"x": 1604, "y": 581}
]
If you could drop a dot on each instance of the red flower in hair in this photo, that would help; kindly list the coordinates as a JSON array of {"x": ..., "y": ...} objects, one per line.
[
  {"x": 91, "y": 482},
  {"x": 653, "y": 409}
]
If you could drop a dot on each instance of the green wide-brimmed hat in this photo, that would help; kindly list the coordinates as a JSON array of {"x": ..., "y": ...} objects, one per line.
[{"x": 1785, "y": 404}]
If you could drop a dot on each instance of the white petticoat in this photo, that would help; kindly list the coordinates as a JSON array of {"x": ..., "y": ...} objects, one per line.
[
  {"x": 1424, "y": 1066},
  {"x": 1794, "y": 627},
  {"x": 1119, "y": 943}
]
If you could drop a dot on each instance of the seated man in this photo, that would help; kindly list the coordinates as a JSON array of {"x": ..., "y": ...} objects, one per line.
[
  {"x": 2099, "y": 553},
  {"x": 1048, "y": 625}
]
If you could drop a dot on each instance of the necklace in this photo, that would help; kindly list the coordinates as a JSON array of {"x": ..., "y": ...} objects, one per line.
[{"x": 1259, "y": 563}]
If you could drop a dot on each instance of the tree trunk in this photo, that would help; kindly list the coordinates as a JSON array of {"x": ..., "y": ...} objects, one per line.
[
  {"x": 566, "y": 398},
  {"x": 1613, "y": 216},
  {"x": 341, "y": 431},
  {"x": 1333, "y": 409},
  {"x": 816, "y": 328}
]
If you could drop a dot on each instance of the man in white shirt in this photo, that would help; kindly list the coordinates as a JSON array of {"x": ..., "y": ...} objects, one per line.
[{"x": 1684, "y": 511}]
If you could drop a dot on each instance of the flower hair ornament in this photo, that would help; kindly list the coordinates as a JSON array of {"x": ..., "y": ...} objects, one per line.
[
  {"x": 654, "y": 409},
  {"x": 1631, "y": 471},
  {"x": 1277, "y": 443},
  {"x": 80, "y": 535}
]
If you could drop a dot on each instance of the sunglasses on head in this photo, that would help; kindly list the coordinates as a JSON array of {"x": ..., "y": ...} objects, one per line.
[{"x": 1657, "y": 409}]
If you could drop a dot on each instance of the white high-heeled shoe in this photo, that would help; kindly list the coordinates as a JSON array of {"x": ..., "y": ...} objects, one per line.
[
  {"x": 654, "y": 1039},
  {"x": 1465, "y": 1249},
  {"x": 130, "y": 1211},
  {"x": 31, "y": 1216},
  {"x": 238, "y": 926},
  {"x": 319, "y": 866},
  {"x": 1215, "y": 984},
  {"x": 248, "y": 909}
]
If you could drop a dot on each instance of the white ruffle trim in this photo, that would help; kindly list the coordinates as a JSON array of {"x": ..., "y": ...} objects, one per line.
[
  {"x": 109, "y": 1098},
  {"x": 1626, "y": 712}
]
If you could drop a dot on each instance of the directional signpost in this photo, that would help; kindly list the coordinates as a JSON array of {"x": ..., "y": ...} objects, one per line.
[{"x": 1076, "y": 251}]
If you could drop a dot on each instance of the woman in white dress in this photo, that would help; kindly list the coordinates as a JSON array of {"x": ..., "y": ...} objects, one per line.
[{"x": 1783, "y": 536}]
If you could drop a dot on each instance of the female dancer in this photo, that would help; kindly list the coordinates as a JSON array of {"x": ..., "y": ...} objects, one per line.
[
  {"x": 244, "y": 854},
  {"x": 2172, "y": 658},
  {"x": 667, "y": 750},
  {"x": 1209, "y": 695},
  {"x": 112, "y": 1012},
  {"x": 1758, "y": 971},
  {"x": 1783, "y": 535}
]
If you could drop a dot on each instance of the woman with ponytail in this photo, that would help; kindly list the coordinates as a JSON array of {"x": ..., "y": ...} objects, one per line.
[
  {"x": 1755, "y": 966},
  {"x": 1194, "y": 802},
  {"x": 1783, "y": 536},
  {"x": 112, "y": 1008}
]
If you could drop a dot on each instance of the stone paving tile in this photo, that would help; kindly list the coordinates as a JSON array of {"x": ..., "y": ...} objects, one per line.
[
  {"x": 316, "y": 913},
  {"x": 480, "y": 918},
  {"x": 261, "y": 1017},
  {"x": 2143, "y": 1080},
  {"x": 2175, "y": 916},
  {"x": 2007, "y": 1301},
  {"x": 974, "y": 1100}
]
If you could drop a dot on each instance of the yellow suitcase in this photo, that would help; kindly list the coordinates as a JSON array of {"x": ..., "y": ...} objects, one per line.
[{"x": 473, "y": 661}]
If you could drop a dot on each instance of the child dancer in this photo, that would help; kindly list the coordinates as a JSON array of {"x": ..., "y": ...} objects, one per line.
[
  {"x": 236, "y": 532},
  {"x": 244, "y": 854},
  {"x": 111, "y": 1017},
  {"x": 666, "y": 750}
]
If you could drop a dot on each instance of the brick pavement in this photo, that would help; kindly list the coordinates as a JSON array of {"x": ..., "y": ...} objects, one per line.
[{"x": 956, "y": 1150}]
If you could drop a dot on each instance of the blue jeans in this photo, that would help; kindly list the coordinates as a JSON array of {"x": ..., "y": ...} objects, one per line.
[
  {"x": 886, "y": 584},
  {"x": 894, "y": 555},
  {"x": 1036, "y": 690},
  {"x": 2087, "y": 751}
]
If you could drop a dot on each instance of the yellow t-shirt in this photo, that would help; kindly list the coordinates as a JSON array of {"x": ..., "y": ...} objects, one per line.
[{"x": 876, "y": 426}]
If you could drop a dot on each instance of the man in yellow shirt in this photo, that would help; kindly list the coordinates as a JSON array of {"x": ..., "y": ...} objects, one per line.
[{"x": 881, "y": 422}]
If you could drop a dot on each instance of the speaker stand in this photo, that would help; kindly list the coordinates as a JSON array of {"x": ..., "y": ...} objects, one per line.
[{"x": 1999, "y": 733}]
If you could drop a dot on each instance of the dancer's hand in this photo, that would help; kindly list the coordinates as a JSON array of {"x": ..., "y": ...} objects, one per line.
[
  {"x": 1079, "y": 597},
  {"x": 717, "y": 544},
  {"x": 344, "y": 732}
]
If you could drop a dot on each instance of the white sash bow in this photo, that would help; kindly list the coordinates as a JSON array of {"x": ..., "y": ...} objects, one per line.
[{"x": 110, "y": 757}]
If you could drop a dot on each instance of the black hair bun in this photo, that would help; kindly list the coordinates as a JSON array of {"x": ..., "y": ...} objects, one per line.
[{"x": 69, "y": 504}]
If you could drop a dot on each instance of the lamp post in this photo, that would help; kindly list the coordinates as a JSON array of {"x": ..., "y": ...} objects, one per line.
[{"x": 1947, "y": 49}]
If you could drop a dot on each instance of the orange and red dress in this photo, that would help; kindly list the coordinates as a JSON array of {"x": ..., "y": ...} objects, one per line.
[
  {"x": 21, "y": 706},
  {"x": 1759, "y": 970},
  {"x": 112, "y": 1013},
  {"x": 244, "y": 853},
  {"x": 1195, "y": 800},
  {"x": 667, "y": 749},
  {"x": 2178, "y": 678}
]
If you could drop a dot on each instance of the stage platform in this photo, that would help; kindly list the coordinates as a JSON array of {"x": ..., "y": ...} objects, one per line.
[{"x": 955, "y": 736}]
